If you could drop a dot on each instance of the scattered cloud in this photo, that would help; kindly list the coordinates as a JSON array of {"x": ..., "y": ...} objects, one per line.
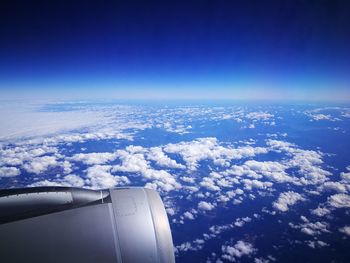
[
  {"x": 310, "y": 228},
  {"x": 209, "y": 149},
  {"x": 238, "y": 250},
  {"x": 94, "y": 158},
  {"x": 259, "y": 115},
  {"x": 9, "y": 171},
  {"x": 156, "y": 154},
  {"x": 74, "y": 180},
  {"x": 339, "y": 200},
  {"x": 134, "y": 161},
  {"x": 320, "y": 211},
  {"x": 287, "y": 199},
  {"x": 206, "y": 206},
  {"x": 100, "y": 177},
  {"x": 40, "y": 164},
  {"x": 345, "y": 230},
  {"x": 317, "y": 244}
]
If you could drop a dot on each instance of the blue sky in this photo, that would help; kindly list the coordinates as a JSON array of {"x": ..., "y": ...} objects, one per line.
[{"x": 175, "y": 49}]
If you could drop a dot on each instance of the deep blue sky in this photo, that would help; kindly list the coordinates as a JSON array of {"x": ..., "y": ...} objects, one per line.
[{"x": 222, "y": 49}]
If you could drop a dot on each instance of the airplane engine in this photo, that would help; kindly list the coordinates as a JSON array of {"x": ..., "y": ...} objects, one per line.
[{"x": 63, "y": 224}]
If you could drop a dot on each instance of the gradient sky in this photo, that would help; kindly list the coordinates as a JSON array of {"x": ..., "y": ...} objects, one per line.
[{"x": 176, "y": 49}]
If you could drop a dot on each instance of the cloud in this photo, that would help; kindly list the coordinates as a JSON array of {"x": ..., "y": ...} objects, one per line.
[
  {"x": 46, "y": 183},
  {"x": 287, "y": 199},
  {"x": 74, "y": 180},
  {"x": 202, "y": 205},
  {"x": 320, "y": 211},
  {"x": 195, "y": 151},
  {"x": 156, "y": 154},
  {"x": 170, "y": 211},
  {"x": 213, "y": 232},
  {"x": 94, "y": 158},
  {"x": 339, "y": 200},
  {"x": 308, "y": 162},
  {"x": 188, "y": 215},
  {"x": 218, "y": 229},
  {"x": 34, "y": 157},
  {"x": 242, "y": 221},
  {"x": 175, "y": 128},
  {"x": 31, "y": 121},
  {"x": 40, "y": 164},
  {"x": 209, "y": 184},
  {"x": 70, "y": 180},
  {"x": 227, "y": 196},
  {"x": 318, "y": 117},
  {"x": 346, "y": 113},
  {"x": 345, "y": 230},
  {"x": 334, "y": 186},
  {"x": 274, "y": 171},
  {"x": 310, "y": 228},
  {"x": 346, "y": 175},
  {"x": 133, "y": 161},
  {"x": 240, "y": 249},
  {"x": 67, "y": 167},
  {"x": 319, "y": 114},
  {"x": 100, "y": 177},
  {"x": 9, "y": 171},
  {"x": 250, "y": 184},
  {"x": 21, "y": 153},
  {"x": 317, "y": 244},
  {"x": 313, "y": 229},
  {"x": 196, "y": 245},
  {"x": 209, "y": 149},
  {"x": 61, "y": 121},
  {"x": 259, "y": 115},
  {"x": 322, "y": 114},
  {"x": 261, "y": 260},
  {"x": 187, "y": 179}
]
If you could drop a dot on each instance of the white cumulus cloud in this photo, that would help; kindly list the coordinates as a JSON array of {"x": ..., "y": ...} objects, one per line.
[
  {"x": 241, "y": 248},
  {"x": 287, "y": 199},
  {"x": 94, "y": 158},
  {"x": 205, "y": 206},
  {"x": 40, "y": 164},
  {"x": 9, "y": 171},
  {"x": 345, "y": 230},
  {"x": 339, "y": 200}
]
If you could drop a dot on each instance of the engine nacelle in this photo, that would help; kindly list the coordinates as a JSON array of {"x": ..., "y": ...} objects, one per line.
[{"x": 62, "y": 224}]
